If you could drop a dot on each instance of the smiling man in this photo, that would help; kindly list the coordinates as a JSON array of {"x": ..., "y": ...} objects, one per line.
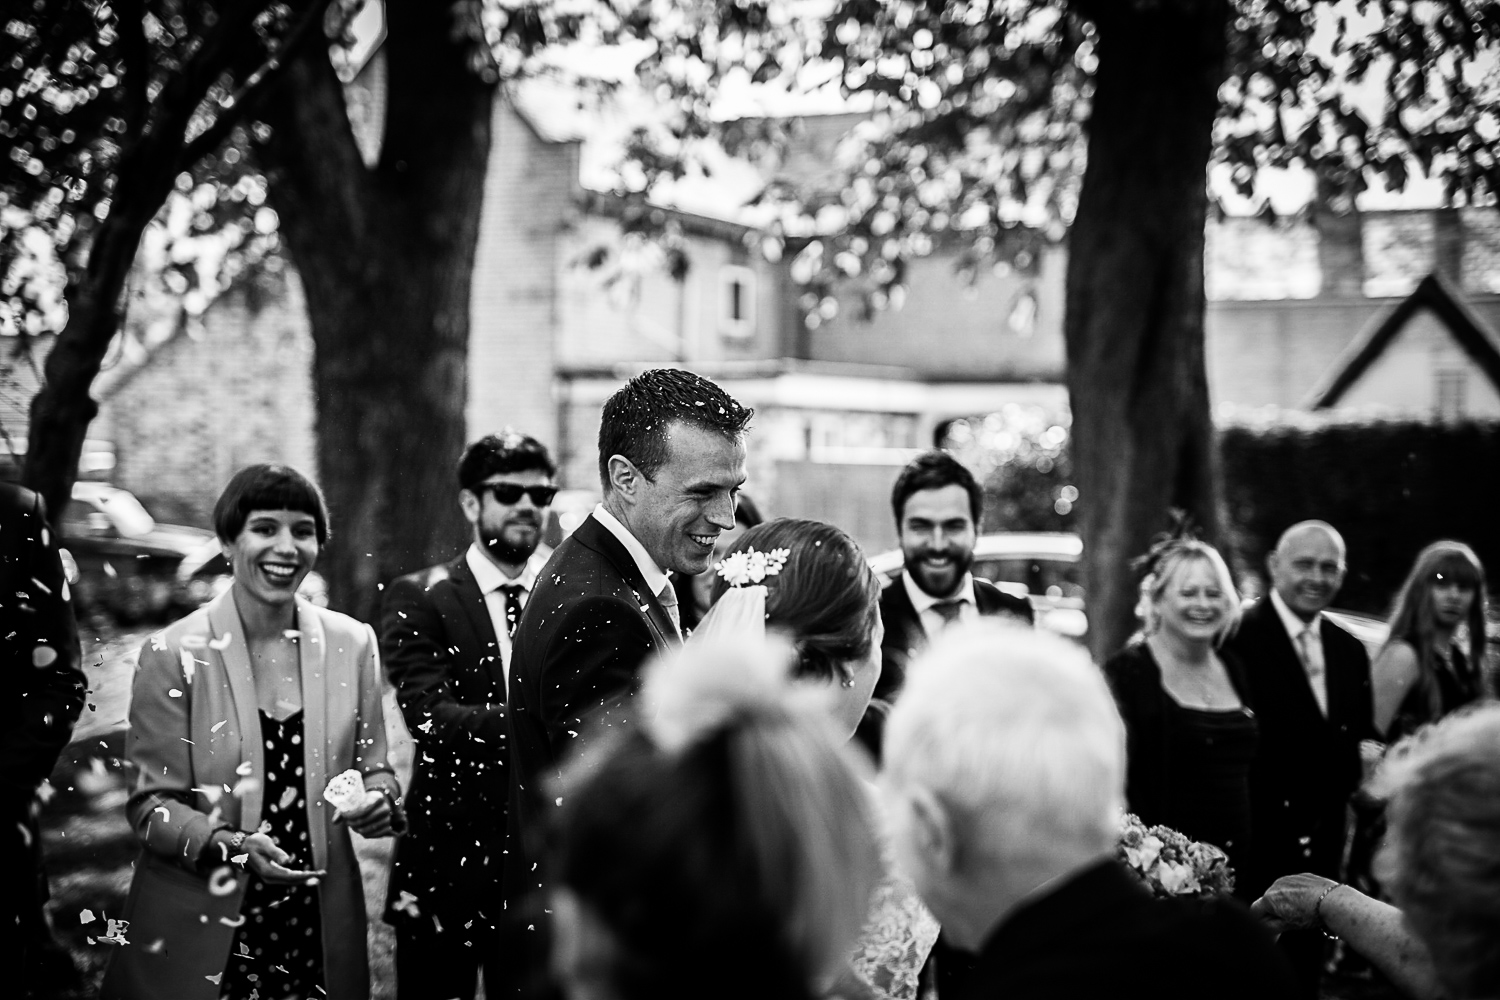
[
  {"x": 671, "y": 462},
  {"x": 937, "y": 505},
  {"x": 1310, "y": 685}
]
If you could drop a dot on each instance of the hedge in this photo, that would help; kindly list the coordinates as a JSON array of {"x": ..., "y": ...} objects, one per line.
[{"x": 1389, "y": 487}]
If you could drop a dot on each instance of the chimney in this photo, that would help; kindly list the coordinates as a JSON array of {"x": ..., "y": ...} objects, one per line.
[
  {"x": 1448, "y": 245},
  {"x": 1341, "y": 253}
]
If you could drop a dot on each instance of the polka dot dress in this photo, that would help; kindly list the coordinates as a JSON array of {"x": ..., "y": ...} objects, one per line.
[{"x": 278, "y": 952}]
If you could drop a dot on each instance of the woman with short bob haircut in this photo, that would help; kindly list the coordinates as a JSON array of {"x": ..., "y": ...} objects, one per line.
[
  {"x": 723, "y": 848},
  {"x": 241, "y": 714},
  {"x": 1190, "y": 733},
  {"x": 1423, "y": 673}
]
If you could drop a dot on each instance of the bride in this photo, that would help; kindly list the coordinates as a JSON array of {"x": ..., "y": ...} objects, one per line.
[{"x": 809, "y": 583}]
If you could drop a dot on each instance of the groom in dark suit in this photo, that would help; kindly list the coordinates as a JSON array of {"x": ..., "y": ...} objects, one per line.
[
  {"x": 937, "y": 504},
  {"x": 671, "y": 462},
  {"x": 446, "y": 641},
  {"x": 1310, "y": 684}
]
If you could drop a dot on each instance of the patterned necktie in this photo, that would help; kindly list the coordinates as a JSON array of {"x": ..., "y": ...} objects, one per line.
[
  {"x": 949, "y": 611},
  {"x": 668, "y": 598},
  {"x": 512, "y": 592},
  {"x": 1312, "y": 659}
]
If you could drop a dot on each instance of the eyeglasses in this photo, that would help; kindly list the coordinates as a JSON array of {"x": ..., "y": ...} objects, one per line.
[{"x": 509, "y": 493}]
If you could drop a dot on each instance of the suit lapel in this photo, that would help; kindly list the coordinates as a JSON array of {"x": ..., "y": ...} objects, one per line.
[
  {"x": 905, "y": 618},
  {"x": 1300, "y": 687},
  {"x": 477, "y": 614},
  {"x": 313, "y": 649},
  {"x": 596, "y": 537},
  {"x": 229, "y": 647}
]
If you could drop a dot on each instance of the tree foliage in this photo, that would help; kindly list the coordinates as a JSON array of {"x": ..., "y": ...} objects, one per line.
[{"x": 979, "y": 112}]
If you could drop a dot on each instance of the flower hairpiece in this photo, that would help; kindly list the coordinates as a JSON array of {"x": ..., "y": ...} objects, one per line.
[{"x": 752, "y": 566}]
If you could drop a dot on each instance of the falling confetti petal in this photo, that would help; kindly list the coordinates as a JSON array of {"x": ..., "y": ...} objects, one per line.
[
  {"x": 43, "y": 656},
  {"x": 86, "y": 917}
]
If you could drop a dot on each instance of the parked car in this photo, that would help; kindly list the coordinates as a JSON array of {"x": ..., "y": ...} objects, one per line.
[
  {"x": 127, "y": 562},
  {"x": 1041, "y": 566}
]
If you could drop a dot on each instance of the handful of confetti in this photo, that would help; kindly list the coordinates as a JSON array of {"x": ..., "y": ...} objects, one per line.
[{"x": 346, "y": 792}]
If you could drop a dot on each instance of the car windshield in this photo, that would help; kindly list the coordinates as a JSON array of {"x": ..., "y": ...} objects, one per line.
[
  {"x": 125, "y": 513},
  {"x": 1053, "y": 577}
]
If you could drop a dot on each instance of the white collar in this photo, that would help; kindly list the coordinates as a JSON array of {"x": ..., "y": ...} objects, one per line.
[
  {"x": 923, "y": 601},
  {"x": 491, "y": 577},
  {"x": 655, "y": 578},
  {"x": 1293, "y": 622}
]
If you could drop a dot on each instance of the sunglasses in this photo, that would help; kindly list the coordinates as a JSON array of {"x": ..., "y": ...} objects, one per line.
[{"x": 509, "y": 493}]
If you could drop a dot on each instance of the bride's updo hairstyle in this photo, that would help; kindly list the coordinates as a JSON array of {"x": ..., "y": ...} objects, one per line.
[
  {"x": 723, "y": 847},
  {"x": 826, "y": 598}
]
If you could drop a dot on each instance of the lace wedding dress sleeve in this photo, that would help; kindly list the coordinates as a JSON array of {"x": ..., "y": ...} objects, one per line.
[{"x": 898, "y": 935}]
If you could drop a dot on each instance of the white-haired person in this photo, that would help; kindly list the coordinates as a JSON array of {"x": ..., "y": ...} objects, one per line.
[
  {"x": 808, "y": 583},
  {"x": 1190, "y": 734},
  {"x": 1440, "y": 863},
  {"x": 722, "y": 848},
  {"x": 1004, "y": 776}
]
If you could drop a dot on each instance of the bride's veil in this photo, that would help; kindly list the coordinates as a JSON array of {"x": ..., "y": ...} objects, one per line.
[{"x": 738, "y": 615}]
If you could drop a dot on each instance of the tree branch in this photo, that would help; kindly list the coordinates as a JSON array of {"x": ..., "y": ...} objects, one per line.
[
  {"x": 137, "y": 64},
  {"x": 254, "y": 87}
]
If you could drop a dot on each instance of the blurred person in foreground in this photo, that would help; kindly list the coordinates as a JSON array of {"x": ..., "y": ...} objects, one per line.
[
  {"x": 1190, "y": 733},
  {"x": 446, "y": 635},
  {"x": 721, "y": 847},
  {"x": 1422, "y": 673},
  {"x": 1310, "y": 685},
  {"x": 808, "y": 583},
  {"x": 43, "y": 696},
  {"x": 1440, "y": 863},
  {"x": 240, "y": 715},
  {"x": 1004, "y": 781},
  {"x": 695, "y": 591}
]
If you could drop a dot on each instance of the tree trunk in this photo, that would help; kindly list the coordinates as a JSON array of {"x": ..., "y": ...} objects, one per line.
[
  {"x": 62, "y": 409},
  {"x": 1143, "y": 439},
  {"x": 386, "y": 257}
]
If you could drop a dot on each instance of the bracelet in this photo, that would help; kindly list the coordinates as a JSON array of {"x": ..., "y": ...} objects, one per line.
[{"x": 1318, "y": 912}]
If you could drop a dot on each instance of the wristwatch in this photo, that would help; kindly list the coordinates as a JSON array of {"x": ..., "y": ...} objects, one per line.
[{"x": 237, "y": 842}]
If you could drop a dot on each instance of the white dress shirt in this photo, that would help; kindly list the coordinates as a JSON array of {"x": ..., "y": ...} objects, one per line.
[
  {"x": 490, "y": 579},
  {"x": 1307, "y": 640},
  {"x": 656, "y": 578},
  {"x": 933, "y": 621}
]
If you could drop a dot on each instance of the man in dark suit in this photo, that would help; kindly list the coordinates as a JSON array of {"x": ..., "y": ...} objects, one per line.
[
  {"x": 1310, "y": 685},
  {"x": 446, "y": 640},
  {"x": 44, "y": 692},
  {"x": 671, "y": 462},
  {"x": 937, "y": 504},
  {"x": 1003, "y": 788}
]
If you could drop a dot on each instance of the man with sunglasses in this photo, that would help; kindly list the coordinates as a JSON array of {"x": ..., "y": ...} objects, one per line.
[{"x": 446, "y": 637}]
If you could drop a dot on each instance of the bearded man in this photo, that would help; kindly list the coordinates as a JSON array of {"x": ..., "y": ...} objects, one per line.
[
  {"x": 938, "y": 506},
  {"x": 446, "y": 638}
]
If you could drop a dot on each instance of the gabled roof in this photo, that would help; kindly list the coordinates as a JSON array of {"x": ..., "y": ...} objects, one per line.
[{"x": 1433, "y": 293}]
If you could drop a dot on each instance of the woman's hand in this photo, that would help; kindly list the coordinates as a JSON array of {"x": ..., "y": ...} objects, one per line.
[
  {"x": 273, "y": 864},
  {"x": 378, "y": 817},
  {"x": 1291, "y": 903}
]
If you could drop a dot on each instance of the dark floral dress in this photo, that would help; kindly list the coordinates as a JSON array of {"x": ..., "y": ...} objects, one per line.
[{"x": 278, "y": 950}]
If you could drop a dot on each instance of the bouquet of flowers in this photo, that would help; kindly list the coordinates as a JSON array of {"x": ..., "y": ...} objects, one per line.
[{"x": 1169, "y": 864}]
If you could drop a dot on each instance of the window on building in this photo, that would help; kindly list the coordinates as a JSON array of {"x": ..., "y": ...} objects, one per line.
[
  {"x": 736, "y": 302},
  {"x": 1452, "y": 388}
]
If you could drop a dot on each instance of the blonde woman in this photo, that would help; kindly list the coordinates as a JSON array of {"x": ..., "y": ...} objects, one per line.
[{"x": 1190, "y": 731}]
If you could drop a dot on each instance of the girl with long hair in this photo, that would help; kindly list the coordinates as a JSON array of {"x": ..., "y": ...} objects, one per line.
[{"x": 1424, "y": 672}]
